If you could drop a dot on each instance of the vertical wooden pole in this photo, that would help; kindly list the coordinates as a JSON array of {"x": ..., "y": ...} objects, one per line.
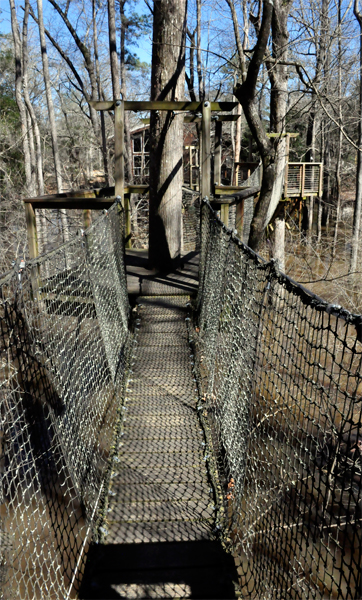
[
  {"x": 224, "y": 214},
  {"x": 31, "y": 230},
  {"x": 119, "y": 162},
  {"x": 303, "y": 180},
  {"x": 217, "y": 155},
  {"x": 286, "y": 169},
  {"x": 33, "y": 248},
  {"x": 320, "y": 186},
  {"x": 127, "y": 223},
  {"x": 239, "y": 219},
  {"x": 206, "y": 150}
]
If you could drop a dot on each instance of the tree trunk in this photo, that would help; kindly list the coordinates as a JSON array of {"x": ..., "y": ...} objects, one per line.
[
  {"x": 113, "y": 50},
  {"x": 246, "y": 94},
  {"x": 358, "y": 203},
  {"x": 53, "y": 130},
  {"x": 98, "y": 77},
  {"x": 166, "y": 133},
  {"x": 198, "y": 52},
  {"x": 19, "y": 98},
  {"x": 122, "y": 62}
]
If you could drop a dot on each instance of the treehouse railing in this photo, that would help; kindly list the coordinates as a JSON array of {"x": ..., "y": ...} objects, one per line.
[{"x": 303, "y": 179}]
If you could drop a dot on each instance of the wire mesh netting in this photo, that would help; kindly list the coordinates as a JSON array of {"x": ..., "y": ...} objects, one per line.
[
  {"x": 280, "y": 377},
  {"x": 65, "y": 347},
  {"x": 190, "y": 220}
]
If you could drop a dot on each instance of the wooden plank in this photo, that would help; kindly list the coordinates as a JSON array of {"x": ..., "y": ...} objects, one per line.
[
  {"x": 96, "y": 199},
  {"x": 275, "y": 135},
  {"x": 162, "y": 105},
  {"x": 72, "y": 203},
  {"x": 206, "y": 150},
  {"x": 229, "y": 190}
]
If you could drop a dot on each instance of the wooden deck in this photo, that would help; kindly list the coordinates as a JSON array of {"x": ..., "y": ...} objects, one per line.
[
  {"x": 161, "y": 521},
  {"x": 144, "y": 281}
]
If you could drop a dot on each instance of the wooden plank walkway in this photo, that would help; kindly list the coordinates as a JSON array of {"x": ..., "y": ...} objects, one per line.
[{"x": 161, "y": 520}]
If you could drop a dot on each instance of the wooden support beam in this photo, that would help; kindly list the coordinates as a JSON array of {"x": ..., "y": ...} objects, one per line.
[
  {"x": 119, "y": 150},
  {"x": 72, "y": 203},
  {"x": 229, "y": 190},
  {"x": 217, "y": 154},
  {"x": 239, "y": 219},
  {"x": 197, "y": 119},
  {"x": 127, "y": 221},
  {"x": 276, "y": 135},
  {"x": 206, "y": 150},
  {"x": 162, "y": 105},
  {"x": 31, "y": 230},
  {"x": 224, "y": 214},
  {"x": 97, "y": 199}
]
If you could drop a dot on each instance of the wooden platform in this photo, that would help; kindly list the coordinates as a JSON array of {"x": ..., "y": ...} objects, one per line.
[
  {"x": 144, "y": 281},
  {"x": 161, "y": 541}
]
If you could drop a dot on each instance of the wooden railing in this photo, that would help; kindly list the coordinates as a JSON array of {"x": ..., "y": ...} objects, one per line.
[{"x": 303, "y": 179}]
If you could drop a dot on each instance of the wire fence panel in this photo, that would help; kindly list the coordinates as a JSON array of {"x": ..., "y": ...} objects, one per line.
[
  {"x": 281, "y": 383},
  {"x": 64, "y": 347}
]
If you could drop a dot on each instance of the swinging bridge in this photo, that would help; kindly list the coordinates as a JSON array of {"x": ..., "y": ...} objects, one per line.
[{"x": 195, "y": 433}]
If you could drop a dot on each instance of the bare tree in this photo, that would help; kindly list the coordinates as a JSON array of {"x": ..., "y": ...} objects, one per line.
[
  {"x": 19, "y": 97},
  {"x": 358, "y": 203},
  {"x": 53, "y": 128}
]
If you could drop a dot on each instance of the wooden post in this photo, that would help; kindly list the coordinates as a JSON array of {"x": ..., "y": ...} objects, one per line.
[
  {"x": 320, "y": 185},
  {"x": 206, "y": 151},
  {"x": 303, "y": 180},
  {"x": 127, "y": 220},
  {"x": 286, "y": 169},
  {"x": 31, "y": 230},
  {"x": 119, "y": 161},
  {"x": 239, "y": 219},
  {"x": 224, "y": 214},
  {"x": 217, "y": 155}
]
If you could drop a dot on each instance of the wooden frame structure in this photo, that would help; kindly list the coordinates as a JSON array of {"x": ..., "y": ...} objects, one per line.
[{"x": 103, "y": 198}]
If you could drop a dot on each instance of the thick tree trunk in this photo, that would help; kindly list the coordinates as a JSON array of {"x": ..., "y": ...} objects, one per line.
[{"x": 166, "y": 133}]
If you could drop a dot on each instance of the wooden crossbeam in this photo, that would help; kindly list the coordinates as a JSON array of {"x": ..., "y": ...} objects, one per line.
[
  {"x": 196, "y": 119},
  {"x": 96, "y": 199},
  {"x": 162, "y": 105}
]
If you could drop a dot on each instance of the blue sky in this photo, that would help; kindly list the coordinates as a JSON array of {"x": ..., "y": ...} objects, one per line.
[{"x": 143, "y": 51}]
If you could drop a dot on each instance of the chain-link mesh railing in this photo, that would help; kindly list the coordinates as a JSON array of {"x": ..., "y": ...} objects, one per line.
[
  {"x": 281, "y": 382},
  {"x": 190, "y": 220},
  {"x": 64, "y": 343}
]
